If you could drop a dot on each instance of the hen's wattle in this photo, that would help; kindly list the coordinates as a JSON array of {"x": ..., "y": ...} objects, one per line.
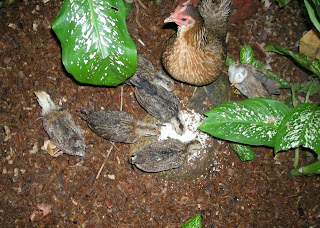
[{"x": 197, "y": 52}]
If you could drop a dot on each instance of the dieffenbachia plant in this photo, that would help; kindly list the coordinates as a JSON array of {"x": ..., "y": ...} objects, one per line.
[
  {"x": 96, "y": 46},
  {"x": 267, "y": 122}
]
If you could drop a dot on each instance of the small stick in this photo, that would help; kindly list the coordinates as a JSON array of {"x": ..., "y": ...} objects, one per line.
[
  {"x": 121, "y": 98},
  {"x": 115, "y": 147},
  {"x": 137, "y": 15},
  {"x": 143, "y": 6},
  {"x": 104, "y": 162}
]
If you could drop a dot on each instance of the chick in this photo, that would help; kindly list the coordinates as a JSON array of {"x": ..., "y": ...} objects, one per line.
[
  {"x": 197, "y": 52},
  {"x": 145, "y": 68},
  {"x": 60, "y": 126},
  {"x": 117, "y": 126},
  {"x": 158, "y": 102},
  {"x": 250, "y": 82},
  {"x": 163, "y": 155}
]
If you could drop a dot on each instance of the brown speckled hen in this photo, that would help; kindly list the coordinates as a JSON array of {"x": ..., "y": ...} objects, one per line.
[{"x": 197, "y": 52}]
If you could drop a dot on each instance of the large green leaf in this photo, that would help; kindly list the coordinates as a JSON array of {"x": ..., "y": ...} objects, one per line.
[
  {"x": 96, "y": 46},
  {"x": 194, "y": 222},
  {"x": 244, "y": 152},
  {"x": 300, "y": 127},
  {"x": 313, "y": 11},
  {"x": 307, "y": 62},
  {"x": 246, "y": 55},
  {"x": 253, "y": 121}
]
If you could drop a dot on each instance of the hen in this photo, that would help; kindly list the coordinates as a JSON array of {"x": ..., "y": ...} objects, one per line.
[
  {"x": 60, "y": 126},
  {"x": 197, "y": 52}
]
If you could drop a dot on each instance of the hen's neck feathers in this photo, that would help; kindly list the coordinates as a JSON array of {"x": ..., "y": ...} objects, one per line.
[{"x": 197, "y": 35}]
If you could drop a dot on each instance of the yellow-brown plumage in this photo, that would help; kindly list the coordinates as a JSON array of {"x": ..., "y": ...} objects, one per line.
[{"x": 197, "y": 52}]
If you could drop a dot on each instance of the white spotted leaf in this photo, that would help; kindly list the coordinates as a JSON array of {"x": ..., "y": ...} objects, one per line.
[
  {"x": 253, "y": 121},
  {"x": 96, "y": 46},
  {"x": 300, "y": 127}
]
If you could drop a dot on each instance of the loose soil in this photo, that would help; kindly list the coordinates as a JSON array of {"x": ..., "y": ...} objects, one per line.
[{"x": 229, "y": 193}]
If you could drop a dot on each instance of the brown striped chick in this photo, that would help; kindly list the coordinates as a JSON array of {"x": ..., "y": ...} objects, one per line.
[
  {"x": 117, "y": 126},
  {"x": 60, "y": 126}
]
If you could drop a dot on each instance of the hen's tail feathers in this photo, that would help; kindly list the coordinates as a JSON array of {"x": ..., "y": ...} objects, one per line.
[{"x": 216, "y": 14}]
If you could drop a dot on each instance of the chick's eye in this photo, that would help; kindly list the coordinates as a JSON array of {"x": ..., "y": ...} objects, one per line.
[{"x": 183, "y": 19}]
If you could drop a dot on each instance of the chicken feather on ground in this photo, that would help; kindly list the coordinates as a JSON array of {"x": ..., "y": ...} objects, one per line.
[{"x": 197, "y": 52}]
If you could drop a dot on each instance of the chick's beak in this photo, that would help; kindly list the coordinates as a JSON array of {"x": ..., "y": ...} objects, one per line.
[
  {"x": 169, "y": 19},
  {"x": 233, "y": 83},
  {"x": 37, "y": 93}
]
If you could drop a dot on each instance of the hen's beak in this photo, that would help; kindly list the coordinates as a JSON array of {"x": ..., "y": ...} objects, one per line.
[
  {"x": 233, "y": 83},
  {"x": 169, "y": 19}
]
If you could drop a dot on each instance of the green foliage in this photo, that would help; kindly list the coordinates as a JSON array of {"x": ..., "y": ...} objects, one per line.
[
  {"x": 282, "y": 3},
  {"x": 300, "y": 127},
  {"x": 244, "y": 152},
  {"x": 194, "y": 222},
  {"x": 246, "y": 55},
  {"x": 306, "y": 61},
  {"x": 6, "y": 5},
  {"x": 253, "y": 121},
  {"x": 313, "y": 7},
  {"x": 229, "y": 61},
  {"x": 264, "y": 121},
  {"x": 313, "y": 168},
  {"x": 96, "y": 46}
]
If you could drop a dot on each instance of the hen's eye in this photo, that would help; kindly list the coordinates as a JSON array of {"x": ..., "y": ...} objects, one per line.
[{"x": 183, "y": 19}]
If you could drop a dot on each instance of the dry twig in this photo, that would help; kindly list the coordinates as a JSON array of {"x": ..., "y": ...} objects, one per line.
[{"x": 104, "y": 162}]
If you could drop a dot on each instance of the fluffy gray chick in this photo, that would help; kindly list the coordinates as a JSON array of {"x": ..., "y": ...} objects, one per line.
[
  {"x": 117, "y": 126},
  {"x": 145, "y": 68},
  {"x": 158, "y": 102},
  {"x": 250, "y": 82},
  {"x": 60, "y": 126},
  {"x": 163, "y": 155}
]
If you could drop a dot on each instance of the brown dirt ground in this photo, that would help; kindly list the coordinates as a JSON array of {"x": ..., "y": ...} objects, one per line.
[{"x": 231, "y": 193}]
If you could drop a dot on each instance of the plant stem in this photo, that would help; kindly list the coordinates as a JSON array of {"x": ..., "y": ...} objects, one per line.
[
  {"x": 294, "y": 101},
  {"x": 313, "y": 168},
  {"x": 296, "y": 158},
  {"x": 7, "y": 124},
  {"x": 308, "y": 93}
]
